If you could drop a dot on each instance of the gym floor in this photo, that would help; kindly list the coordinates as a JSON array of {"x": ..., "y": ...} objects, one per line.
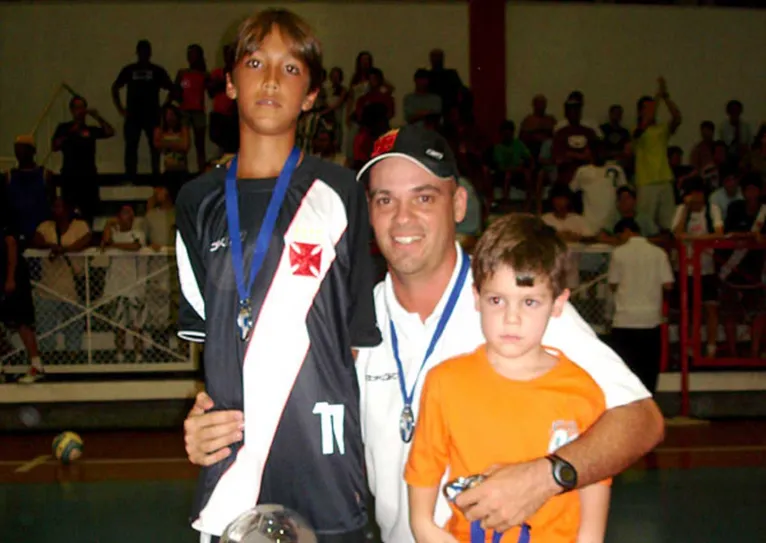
[{"x": 705, "y": 483}]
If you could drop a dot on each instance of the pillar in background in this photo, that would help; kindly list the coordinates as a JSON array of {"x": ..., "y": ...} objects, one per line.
[{"x": 487, "y": 62}]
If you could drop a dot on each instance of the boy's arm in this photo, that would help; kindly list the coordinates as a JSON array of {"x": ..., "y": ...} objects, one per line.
[
  {"x": 192, "y": 272},
  {"x": 422, "y": 504},
  {"x": 594, "y": 510},
  {"x": 427, "y": 462}
]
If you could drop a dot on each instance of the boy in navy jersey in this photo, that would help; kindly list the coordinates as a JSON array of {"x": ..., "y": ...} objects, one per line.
[{"x": 276, "y": 280}]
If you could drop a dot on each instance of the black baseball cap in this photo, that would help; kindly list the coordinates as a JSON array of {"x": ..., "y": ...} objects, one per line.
[{"x": 426, "y": 148}]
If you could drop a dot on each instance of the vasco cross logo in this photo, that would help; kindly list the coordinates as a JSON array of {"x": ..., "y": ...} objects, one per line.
[{"x": 305, "y": 259}]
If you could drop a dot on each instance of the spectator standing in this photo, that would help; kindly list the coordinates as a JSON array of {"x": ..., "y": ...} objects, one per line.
[
  {"x": 29, "y": 192},
  {"x": 191, "y": 84},
  {"x": 76, "y": 140},
  {"x": 639, "y": 273},
  {"x": 144, "y": 81},
  {"x": 654, "y": 177}
]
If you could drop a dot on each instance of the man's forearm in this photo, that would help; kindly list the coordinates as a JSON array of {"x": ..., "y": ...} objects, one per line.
[{"x": 619, "y": 438}]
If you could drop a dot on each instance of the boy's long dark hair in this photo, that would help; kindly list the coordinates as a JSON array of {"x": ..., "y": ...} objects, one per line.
[{"x": 303, "y": 43}]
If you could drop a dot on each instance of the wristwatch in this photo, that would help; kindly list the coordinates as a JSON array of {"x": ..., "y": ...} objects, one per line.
[{"x": 563, "y": 472}]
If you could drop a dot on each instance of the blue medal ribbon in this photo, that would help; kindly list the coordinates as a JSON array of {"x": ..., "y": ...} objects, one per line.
[
  {"x": 245, "y": 315},
  {"x": 478, "y": 535},
  {"x": 407, "y": 419}
]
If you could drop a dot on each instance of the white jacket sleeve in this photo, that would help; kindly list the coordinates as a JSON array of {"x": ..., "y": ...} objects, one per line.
[{"x": 571, "y": 335}]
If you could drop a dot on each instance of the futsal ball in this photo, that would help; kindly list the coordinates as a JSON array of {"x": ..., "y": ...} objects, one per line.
[
  {"x": 269, "y": 523},
  {"x": 67, "y": 447}
]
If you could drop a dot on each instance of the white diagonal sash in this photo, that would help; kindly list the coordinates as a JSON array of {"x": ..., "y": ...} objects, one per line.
[{"x": 738, "y": 255}]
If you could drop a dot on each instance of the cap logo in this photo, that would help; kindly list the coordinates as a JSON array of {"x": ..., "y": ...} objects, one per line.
[
  {"x": 385, "y": 143},
  {"x": 434, "y": 154}
]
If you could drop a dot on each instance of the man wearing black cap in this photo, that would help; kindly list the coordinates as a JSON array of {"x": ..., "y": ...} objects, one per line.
[
  {"x": 426, "y": 313},
  {"x": 415, "y": 203}
]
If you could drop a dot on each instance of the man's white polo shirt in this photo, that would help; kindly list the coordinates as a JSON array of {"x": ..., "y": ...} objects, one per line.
[
  {"x": 382, "y": 401},
  {"x": 640, "y": 269}
]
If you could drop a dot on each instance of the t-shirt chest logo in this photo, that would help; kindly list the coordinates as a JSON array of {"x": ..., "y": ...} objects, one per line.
[
  {"x": 305, "y": 259},
  {"x": 577, "y": 141},
  {"x": 143, "y": 75},
  {"x": 562, "y": 432}
]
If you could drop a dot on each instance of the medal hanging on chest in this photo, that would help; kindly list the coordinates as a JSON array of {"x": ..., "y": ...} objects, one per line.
[
  {"x": 245, "y": 322},
  {"x": 407, "y": 418},
  {"x": 407, "y": 424}
]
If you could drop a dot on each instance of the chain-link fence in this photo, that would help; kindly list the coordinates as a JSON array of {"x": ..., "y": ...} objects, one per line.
[
  {"x": 116, "y": 311},
  {"x": 587, "y": 281},
  {"x": 99, "y": 311}
]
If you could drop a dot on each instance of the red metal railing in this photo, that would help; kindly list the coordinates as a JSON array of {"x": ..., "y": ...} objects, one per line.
[{"x": 698, "y": 359}]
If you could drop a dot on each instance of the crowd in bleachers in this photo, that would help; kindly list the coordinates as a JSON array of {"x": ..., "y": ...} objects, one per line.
[{"x": 584, "y": 177}]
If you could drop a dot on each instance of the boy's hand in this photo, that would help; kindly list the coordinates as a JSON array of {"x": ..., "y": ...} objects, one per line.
[
  {"x": 208, "y": 435},
  {"x": 510, "y": 495}
]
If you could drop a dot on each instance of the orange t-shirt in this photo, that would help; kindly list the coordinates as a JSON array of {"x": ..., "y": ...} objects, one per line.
[{"x": 471, "y": 417}]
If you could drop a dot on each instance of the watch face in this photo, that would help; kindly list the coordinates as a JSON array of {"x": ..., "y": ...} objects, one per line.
[{"x": 567, "y": 475}]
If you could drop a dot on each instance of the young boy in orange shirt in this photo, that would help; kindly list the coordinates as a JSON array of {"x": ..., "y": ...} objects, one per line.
[{"x": 464, "y": 427}]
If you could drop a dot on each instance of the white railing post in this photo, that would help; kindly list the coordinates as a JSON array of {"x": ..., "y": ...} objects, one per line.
[{"x": 88, "y": 310}]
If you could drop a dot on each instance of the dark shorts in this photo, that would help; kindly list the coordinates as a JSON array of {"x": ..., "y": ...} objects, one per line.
[
  {"x": 17, "y": 309},
  {"x": 709, "y": 290},
  {"x": 736, "y": 300},
  {"x": 196, "y": 119}
]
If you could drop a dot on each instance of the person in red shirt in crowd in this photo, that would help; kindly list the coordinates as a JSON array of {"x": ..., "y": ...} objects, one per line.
[
  {"x": 191, "y": 84},
  {"x": 224, "y": 123}
]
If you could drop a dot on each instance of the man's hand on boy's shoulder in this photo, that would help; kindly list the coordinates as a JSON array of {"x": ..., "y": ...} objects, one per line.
[{"x": 208, "y": 435}]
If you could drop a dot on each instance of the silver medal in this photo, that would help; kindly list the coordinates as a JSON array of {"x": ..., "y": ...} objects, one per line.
[
  {"x": 245, "y": 321},
  {"x": 407, "y": 424}
]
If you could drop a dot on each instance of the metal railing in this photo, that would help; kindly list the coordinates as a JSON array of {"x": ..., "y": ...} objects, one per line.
[{"x": 105, "y": 311}]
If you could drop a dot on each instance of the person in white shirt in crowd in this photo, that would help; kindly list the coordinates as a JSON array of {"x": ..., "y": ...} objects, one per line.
[
  {"x": 579, "y": 97},
  {"x": 124, "y": 284},
  {"x": 639, "y": 273},
  {"x": 598, "y": 183},
  {"x": 415, "y": 204},
  {"x": 728, "y": 192},
  {"x": 736, "y": 133},
  {"x": 62, "y": 278},
  {"x": 698, "y": 219},
  {"x": 570, "y": 226}
]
